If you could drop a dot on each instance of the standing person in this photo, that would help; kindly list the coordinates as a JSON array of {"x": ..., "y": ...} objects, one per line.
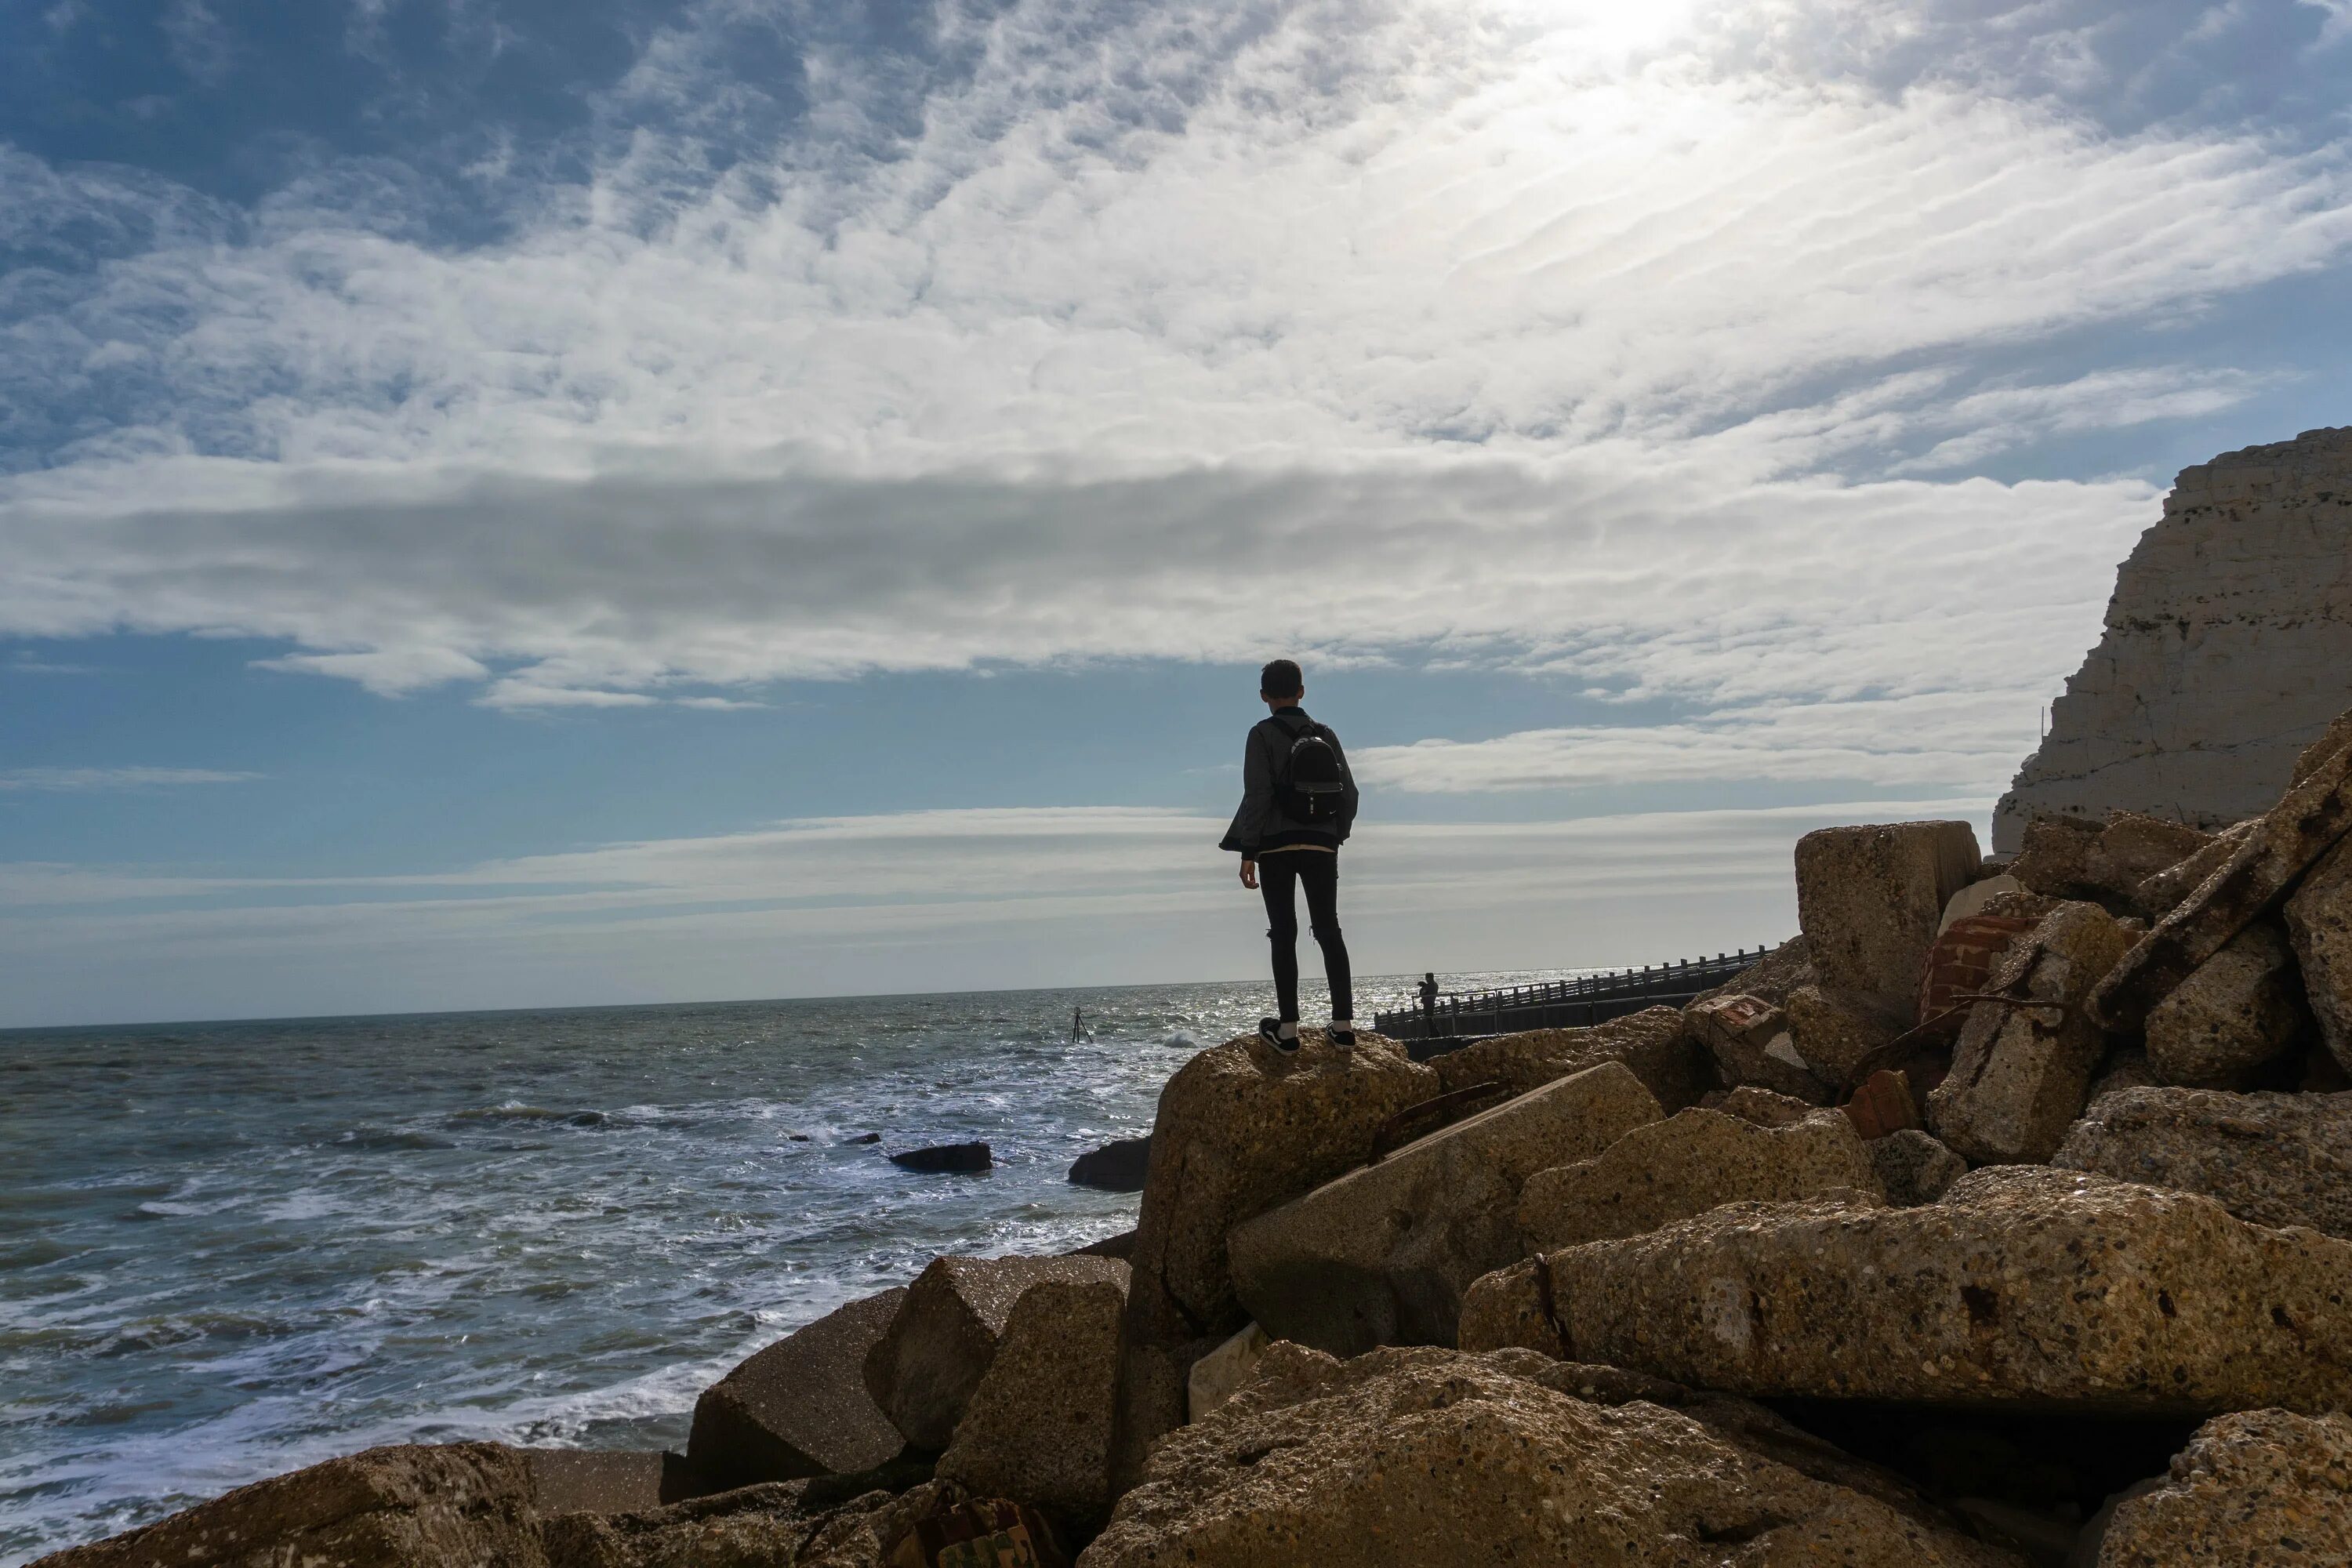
[{"x": 1299, "y": 802}]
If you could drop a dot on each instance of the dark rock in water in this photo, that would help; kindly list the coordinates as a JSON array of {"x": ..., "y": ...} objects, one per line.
[
  {"x": 800, "y": 1407},
  {"x": 864, "y": 1137},
  {"x": 1117, "y": 1166},
  {"x": 799, "y": 1136},
  {"x": 951, "y": 1157}
]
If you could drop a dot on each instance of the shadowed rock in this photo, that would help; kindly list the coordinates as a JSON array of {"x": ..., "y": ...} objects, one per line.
[
  {"x": 1430, "y": 1457},
  {"x": 1913, "y": 1168},
  {"x": 2304, "y": 824},
  {"x": 1038, "y": 1429},
  {"x": 923, "y": 1369},
  {"x": 2270, "y": 1159},
  {"x": 2319, "y": 921},
  {"x": 946, "y": 1159},
  {"x": 2237, "y": 1010},
  {"x": 2252, "y": 1488},
  {"x": 2023, "y": 1286},
  {"x": 1241, "y": 1129},
  {"x": 406, "y": 1506},
  {"x": 1382, "y": 1255},
  {"x": 800, "y": 1407}
]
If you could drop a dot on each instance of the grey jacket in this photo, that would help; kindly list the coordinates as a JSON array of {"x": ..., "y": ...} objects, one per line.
[{"x": 1261, "y": 823}]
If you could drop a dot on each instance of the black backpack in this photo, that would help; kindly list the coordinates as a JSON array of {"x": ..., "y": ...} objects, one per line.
[{"x": 1308, "y": 784}]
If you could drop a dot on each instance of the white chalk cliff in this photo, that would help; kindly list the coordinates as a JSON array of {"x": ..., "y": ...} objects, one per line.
[{"x": 2227, "y": 648}]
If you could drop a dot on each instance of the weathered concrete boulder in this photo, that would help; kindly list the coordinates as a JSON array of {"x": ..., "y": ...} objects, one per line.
[
  {"x": 1651, "y": 1042},
  {"x": 1118, "y": 1166},
  {"x": 1913, "y": 1168},
  {"x": 777, "y": 1525},
  {"x": 1219, "y": 1376},
  {"x": 2049, "y": 858},
  {"x": 1429, "y": 1456},
  {"x": 800, "y": 1407},
  {"x": 2107, "y": 863},
  {"x": 2161, "y": 894},
  {"x": 1686, "y": 1166},
  {"x": 1760, "y": 1106},
  {"x": 1868, "y": 899},
  {"x": 1834, "y": 1031},
  {"x": 2270, "y": 1159},
  {"x": 2237, "y": 1010},
  {"x": 2252, "y": 1488},
  {"x": 2022, "y": 1285},
  {"x": 2224, "y": 650},
  {"x": 2023, "y": 1070},
  {"x": 406, "y": 1506},
  {"x": 607, "y": 1481},
  {"x": 1382, "y": 1255},
  {"x": 1753, "y": 1046},
  {"x": 1038, "y": 1429},
  {"x": 1973, "y": 899},
  {"x": 1771, "y": 977},
  {"x": 923, "y": 1369},
  {"x": 2306, "y": 823},
  {"x": 1241, "y": 1129},
  {"x": 2319, "y": 921}
]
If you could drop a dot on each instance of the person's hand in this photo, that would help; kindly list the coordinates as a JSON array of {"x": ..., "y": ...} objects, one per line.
[{"x": 1249, "y": 875}]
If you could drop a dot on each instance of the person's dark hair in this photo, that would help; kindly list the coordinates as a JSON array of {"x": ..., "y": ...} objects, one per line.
[{"x": 1281, "y": 678}]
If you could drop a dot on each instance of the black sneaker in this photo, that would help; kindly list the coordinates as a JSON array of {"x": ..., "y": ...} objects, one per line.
[
  {"x": 1343, "y": 1036},
  {"x": 1270, "y": 1031}
]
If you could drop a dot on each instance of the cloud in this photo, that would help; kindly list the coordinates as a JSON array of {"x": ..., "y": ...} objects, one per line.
[
  {"x": 1653, "y": 347},
  {"x": 1944, "y": 739},
  {"x": 77, "y": 779},
  {"x": 922, "y": 900}
]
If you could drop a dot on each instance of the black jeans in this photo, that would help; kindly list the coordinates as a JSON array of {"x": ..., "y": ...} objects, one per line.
[{"x": 1319, "y": 873}]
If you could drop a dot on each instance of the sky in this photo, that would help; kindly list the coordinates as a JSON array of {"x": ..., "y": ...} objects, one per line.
[{"x": 510, "y": 503}]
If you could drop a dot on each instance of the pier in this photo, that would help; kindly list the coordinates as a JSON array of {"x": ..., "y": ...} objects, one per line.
[{"x": 1563, "y": 1004}]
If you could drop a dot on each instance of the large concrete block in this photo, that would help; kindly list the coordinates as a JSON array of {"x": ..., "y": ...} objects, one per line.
[
  {"x": 1427, "y": 1457},
  {"x": 2239, "y": 1009},
  {"x": 2023, "y": 1070},
  {"x": 2270, "y": 1159},
  {"x": 800, "y": 1407},
  {"x": 1038, "y": 1429},
  {"x": 1869, "y": 899},
  {"x": 1241, "y": 1129},
  {"x": 1651, "y": 1042},
  {"x": 923, "y": 1369},
  {"x": 1686, "y": 1166},
  {"x": 2023, "y": 1286},
  {"x": 1382, "y": 1255}
]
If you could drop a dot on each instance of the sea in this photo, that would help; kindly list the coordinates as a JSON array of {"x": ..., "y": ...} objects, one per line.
[{"x": 228, "y": 1250}]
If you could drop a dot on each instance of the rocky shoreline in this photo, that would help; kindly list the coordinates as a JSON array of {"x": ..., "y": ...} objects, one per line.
[{"x": 2002, "y": 1217}]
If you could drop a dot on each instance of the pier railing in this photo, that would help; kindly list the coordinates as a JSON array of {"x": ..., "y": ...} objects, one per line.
[{"x": 1565, "y": 1004}]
